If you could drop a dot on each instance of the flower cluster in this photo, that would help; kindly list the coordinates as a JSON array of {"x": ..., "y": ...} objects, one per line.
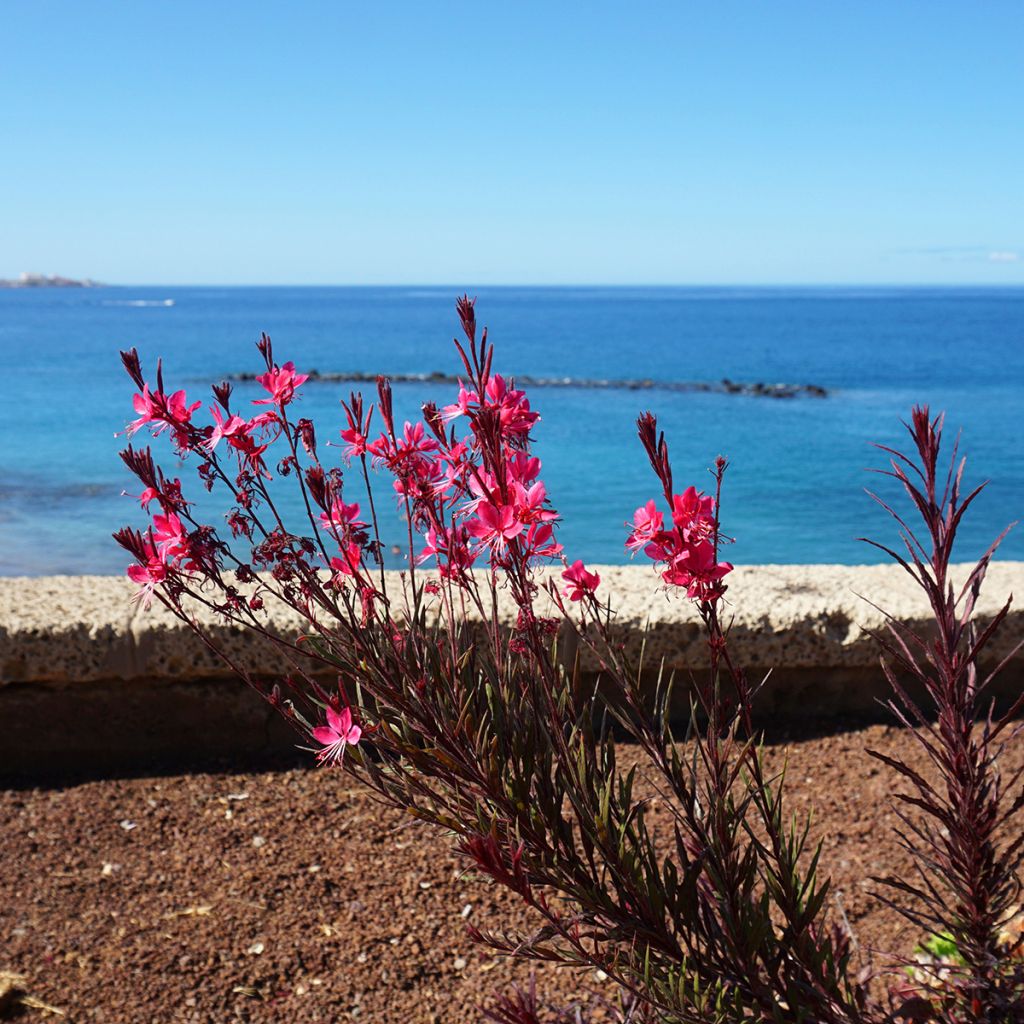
[
  {"x": 469, "y": 496},
  {"x": 687, "y": 543},
  {"x": 686, "y": 548}
]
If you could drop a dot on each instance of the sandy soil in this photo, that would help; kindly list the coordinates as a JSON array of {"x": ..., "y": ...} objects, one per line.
[{"x": 287, "y": 895}]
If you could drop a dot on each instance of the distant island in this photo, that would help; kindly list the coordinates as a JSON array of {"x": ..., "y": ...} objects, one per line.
[{"x": 47, "y": 281}]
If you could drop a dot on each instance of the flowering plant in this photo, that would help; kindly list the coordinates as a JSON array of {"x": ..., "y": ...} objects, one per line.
[{"x": 493, "y": 731}]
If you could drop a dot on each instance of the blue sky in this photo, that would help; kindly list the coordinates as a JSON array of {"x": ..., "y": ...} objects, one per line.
[{"x": 727, "y": 142}]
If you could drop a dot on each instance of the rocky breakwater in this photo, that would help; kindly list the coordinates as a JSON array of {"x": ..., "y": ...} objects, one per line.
[{"x": 757, "y": 389}]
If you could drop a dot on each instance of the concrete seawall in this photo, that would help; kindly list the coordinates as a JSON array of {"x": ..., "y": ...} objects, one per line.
[{"x": 88, "y": 675}]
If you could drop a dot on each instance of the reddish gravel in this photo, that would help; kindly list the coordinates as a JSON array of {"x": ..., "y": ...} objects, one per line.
[{"x": 288, "y": 896}]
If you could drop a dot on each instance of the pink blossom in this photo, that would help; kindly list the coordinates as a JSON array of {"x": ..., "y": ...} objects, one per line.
[
  {"x": 450, "y": 468},
  {"x": 341, "y": 517},
  {"x": 418, "y": 479},
  {"x": 695, "y": 569},
  {"x": 154, "y": 407},
  {"x": 450, "y": 545},
  {"x": 280, "y": 383},
  {"x": 355, "y": 443},
  {"x": 264, "y": 420},
  {"x": 148, "y": 575},
  {"x": 414, "y": 441},
  {"x": 517, "y": 419},
  {"x": 647, "y": 523},
  {"x": 530, "y": 503},
  {"x": 693, "y": 512},
  {"x": 146, "y": 408},
  {"x": 382, "y": 450},
  {"x": 436, "y": 543},
  {"x": 462, "y": 405},
  {"x": 579, "y": 582},
  {"x": 170, "y": 536},
  {"x": 179, "y": 412},
  {"x": 523, "y": 468},
  {"x": 348, "y": 565},
  {"x": 339, "y": 732},
  {"x": 484, "y": 488},
  {"x": 146, "y": 498},
  {"x": 495, "y": 524},
  {"x": 409, "y": 448},
  {"x": 688, "y": 548},
  {"x": 541, "y": 543},
  {"x": 225, "y": 428}
]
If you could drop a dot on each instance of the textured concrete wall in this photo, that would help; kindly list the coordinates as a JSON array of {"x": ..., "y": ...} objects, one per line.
[
  {"x": 78, "y": 642},
  {"x": 81, "y": 629}
]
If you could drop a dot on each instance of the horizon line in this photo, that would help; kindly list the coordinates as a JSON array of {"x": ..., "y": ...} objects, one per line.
[{"x": 522, "y": 285}]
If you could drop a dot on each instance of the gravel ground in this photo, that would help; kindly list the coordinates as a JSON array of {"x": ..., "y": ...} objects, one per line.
[{"x": 288, "y": 895}]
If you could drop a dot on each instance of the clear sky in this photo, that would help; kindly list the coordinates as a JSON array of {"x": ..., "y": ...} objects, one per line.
[{"x": 346, "y": 143}]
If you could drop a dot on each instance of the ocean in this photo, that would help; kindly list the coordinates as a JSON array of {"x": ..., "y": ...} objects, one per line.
[{"x": 795, "y": 487}]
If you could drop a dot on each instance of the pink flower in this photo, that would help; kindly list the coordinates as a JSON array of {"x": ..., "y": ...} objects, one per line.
[
  {"x": 155, "y": 407},
  {"x": 243, "y": 442},
  {"x": 179, "y": 412},
  {"x": 280, "y": 383},
  {"x": 264, "y": 421},
  {"x": 693, "y": 512},
  {"x": 339, "y": 732},
  {"x": 647, "y": 523},
  {"x": 450, "y": 468},
  {"x": 529, "y": 503},
  {"x": 462, "y": 406},
  {"x": 225, "y": 428},
  {"x": 695, "y": 569},
  {"x": 579, "y": 581},
  {"x": 170, "y": 536},
  {"x": 513, "y": 407},
  {"x": 348, "y": 564},
  {"x": 382, "y": 450},
  {"x": 147, "y": 575},
  {"x": 341, "y": 517},
  {"x": 453, "y": 546},
  {"x": 541, "y": 543},
  {"x": 523, "y": 468},
  {"x": 485, "y": 488},
  {"x": 146, "y": 498},
  {"x": 495, "y": 525},
  {"x": 355, "y": 443},
  {"x": 436, "y": 544},
  {"x": 146, "y": 408},
  {"x": 414, "y": 441},
  {"x": 408, "y": 449}
]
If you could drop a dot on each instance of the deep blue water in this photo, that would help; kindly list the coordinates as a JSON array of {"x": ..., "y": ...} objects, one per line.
[{"x": 794, "y": 491}]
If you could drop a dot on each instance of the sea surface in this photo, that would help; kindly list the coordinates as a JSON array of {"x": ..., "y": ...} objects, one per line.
[{"x": 795, "y": 487}]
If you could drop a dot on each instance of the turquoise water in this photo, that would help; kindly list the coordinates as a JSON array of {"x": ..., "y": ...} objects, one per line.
[{"x": 794, "y": 491}]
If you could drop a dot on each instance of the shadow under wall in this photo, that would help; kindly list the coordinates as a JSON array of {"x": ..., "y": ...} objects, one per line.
[{"x": 52, "y": 735}]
